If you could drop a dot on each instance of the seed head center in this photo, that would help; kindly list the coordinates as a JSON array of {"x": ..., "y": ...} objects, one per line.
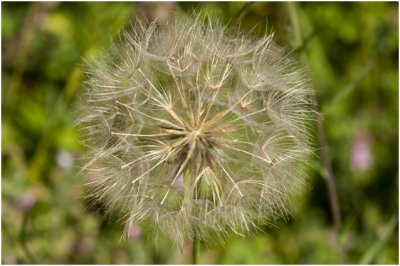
[{"x": 197, "y": 133}]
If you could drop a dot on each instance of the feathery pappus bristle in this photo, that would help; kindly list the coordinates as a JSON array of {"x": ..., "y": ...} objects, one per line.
[{"x": 194, "y": 128}]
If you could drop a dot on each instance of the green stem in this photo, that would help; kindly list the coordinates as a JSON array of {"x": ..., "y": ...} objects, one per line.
[
  {"x": 23, "y": 238},
  {"x": 195, "y": 249},
  {"x": 187, "y": 199},
  {"x": 329, "y": 176},
  {"x": 242, "y": 12},
  {"x": 370, "y": 255},
  {"x": 186, "y": 183},
  {"x": 328, "y": 170},
  {"x": 294, "y": 20}
]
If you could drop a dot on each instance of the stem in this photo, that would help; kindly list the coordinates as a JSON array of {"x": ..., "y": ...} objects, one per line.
[
  {"x": 186, "y": 183},
  {"x": 242, "y": 12},
  {"x": 196, "y": 240},
  {"x": 329, "y": 178},
  {"x": 328, "y": 171},
  {"x": 195, "y": 249},
  {"x": 370, "y": 255},
  {"x": 294, "y": 20},
  {"x": 328, "y": 175},
  {"x": 23, "y": 238}
]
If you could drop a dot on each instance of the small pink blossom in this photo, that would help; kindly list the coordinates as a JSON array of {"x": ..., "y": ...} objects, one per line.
[
  {"x": 361, "y": 158},
  {"x": 27, "y": 201}
]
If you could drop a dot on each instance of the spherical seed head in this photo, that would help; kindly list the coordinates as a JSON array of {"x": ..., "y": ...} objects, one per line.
[{"x": 192, "y": 128}]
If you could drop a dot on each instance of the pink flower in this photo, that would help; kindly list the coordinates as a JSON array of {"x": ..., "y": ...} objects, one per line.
[{"x": 361, "y": 158}]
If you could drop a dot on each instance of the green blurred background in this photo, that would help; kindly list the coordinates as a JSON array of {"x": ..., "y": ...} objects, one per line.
[{"x": 351, "y": 52}]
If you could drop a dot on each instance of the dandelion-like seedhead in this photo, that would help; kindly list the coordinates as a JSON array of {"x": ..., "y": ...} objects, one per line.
[{"x": 195, "y": 129}]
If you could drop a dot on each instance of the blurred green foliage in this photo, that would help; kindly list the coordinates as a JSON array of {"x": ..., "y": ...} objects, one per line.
[{"x": 351, "y": 51}]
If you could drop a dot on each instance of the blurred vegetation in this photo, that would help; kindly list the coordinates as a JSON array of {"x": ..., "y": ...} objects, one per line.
[{"x": 351, "y": 51}]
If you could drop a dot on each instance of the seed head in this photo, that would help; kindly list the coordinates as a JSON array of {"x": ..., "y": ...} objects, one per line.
[{"x": 193, "y": 128}]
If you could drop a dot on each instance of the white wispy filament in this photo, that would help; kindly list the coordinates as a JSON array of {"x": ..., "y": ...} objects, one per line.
[{"x": 191, "y": 127}]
